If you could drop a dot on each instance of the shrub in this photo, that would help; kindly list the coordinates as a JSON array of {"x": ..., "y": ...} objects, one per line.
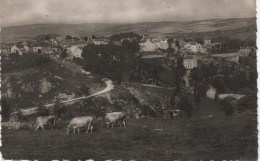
[
  {"x": 228, "y": 109},
  {"x": 42, "y": 111},
  {"x": 58, "y": 109},
  {"x": 147, "y": 111},
  {"x": 24, "y": 61},
  {"x": 5, "y": 109}
]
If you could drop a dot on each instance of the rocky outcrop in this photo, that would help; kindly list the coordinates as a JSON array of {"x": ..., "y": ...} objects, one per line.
[
  {"x": 138, "y": 102},
  {"x": 27, "y": 87}
]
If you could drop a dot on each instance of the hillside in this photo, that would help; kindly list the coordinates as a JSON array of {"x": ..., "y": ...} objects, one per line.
[
  {"x": 44, "y": 83},
  {"x": 246, "y": 27},
  {"x": 27, "y": 87}
]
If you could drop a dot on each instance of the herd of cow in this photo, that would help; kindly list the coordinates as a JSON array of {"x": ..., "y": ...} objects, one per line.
[{"x": 89, "y": 122}]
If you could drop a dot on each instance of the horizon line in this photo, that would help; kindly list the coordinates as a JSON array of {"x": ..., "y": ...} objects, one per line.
[{"x": 118, "y": 23}]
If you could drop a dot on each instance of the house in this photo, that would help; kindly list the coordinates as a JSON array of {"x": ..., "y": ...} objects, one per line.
[
  {"x": 206, "y": 40},
  {"x": 15, "y": 49},
  {"x": 117, "y": 43},
  {"x": 211, "y": 93},
  {"x": 60, "y": 38},
  {"x": 23, "y": 47},
  {"x": 44, "y": 47},
  {"x": 100, "y": 41},
  {"x": 181, "y": 43},
  {"x": 37, "y": 49},
  {"x": 213, "y": 47},
  {"x": 233, "y": 59},
  {"x": 129, "y": 39},
  {"x": 147, "y": 45},
  {"x": 145, "y": 36},
  {"x": 75, "y": 51},
  {"x": 245, "y": 50},
  {"x": 194, "y": 47},
  {"x": 47, "y": 38},
  {"x": 5, "y": 49},
  {"x": 90, "y": 40},
  {"x": 163, "y": 44},
  {"x": 190, "y": 62}
]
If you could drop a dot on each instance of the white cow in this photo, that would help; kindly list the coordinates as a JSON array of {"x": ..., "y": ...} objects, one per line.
[
  {"x": 43, "y": 121},
  {"x": 83, "y": 121},
  {"x": 115, "y": 117}
]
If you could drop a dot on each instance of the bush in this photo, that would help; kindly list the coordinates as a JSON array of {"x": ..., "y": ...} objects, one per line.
[
  {"x": 247, "y": 103},
  {"x": 186, "y": 106},
  {"x": 42, "y": 111},
  {"x": 147, "y": 111},
  {"x": 58, "y": 109},
  {"x": 228, "y": 108},
  {"x": 24, "y": 61}
]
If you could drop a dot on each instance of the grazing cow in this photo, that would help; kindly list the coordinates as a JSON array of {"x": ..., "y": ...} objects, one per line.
[
  {"x": 115, "y": 117},
  {"x": 83, "y": 121},
  {"x": 43, "y": 121}
]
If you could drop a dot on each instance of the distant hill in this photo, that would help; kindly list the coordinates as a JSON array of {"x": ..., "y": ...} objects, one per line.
[{"x": 245, "y": 26}]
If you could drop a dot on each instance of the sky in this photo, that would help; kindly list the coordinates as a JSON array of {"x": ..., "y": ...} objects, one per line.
[{"x": 22, "y": 12}]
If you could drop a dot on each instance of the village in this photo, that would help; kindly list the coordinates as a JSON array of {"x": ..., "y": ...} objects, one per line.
[
  {"x": 146, "y": 77},
  {"x": 220, "y": 57}
]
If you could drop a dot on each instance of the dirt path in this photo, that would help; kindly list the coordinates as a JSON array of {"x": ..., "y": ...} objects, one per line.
[
  {"x": 186, "y": 78},
  {"x": 109, "y": 87},
  {"x": 19, "y": 73}
]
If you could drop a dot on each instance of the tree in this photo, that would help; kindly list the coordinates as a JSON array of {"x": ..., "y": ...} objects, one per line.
[
  {"x": 186, "y": 105},
  {"x": 85, "y": 38},
  {"x": 93, "y": 37},
  {"x": 47, "y": 38},
  {"x": 177, "y": 43},
  {"x": 118, "y": 37},
  {"x": 218, "y": 84},
  {"x": 58, "y": 109},
  {"x": 85, "y": 90},
  {"x": 75, "y": 38},
  {"x": 42, "y": 111},
  {"x": 170, "y": 42},
  {"x": 110, "y": 60},
  {"x": 64, "y": 53},
  {"x": 39, "y": 51},
  {"x": 14, "y": 56},
  {"x": 179, "y": 71},
  {"x": 195, "y": 74},
  {"x": 68, "y": 37},
  {"x": 5, "y": 109}
]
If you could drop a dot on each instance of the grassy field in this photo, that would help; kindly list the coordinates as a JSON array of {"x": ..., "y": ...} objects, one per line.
[
  {"x": 200, "y": 137},
  {"x": 157, "y": 29}
]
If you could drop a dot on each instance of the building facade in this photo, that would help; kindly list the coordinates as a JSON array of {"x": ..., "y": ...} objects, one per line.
[
  {"x": 190, "y": 62},
  {"x": 148, "y": 45}
]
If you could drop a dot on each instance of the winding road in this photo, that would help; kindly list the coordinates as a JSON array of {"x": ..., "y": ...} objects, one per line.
[{"x": 109, "y": 87}]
